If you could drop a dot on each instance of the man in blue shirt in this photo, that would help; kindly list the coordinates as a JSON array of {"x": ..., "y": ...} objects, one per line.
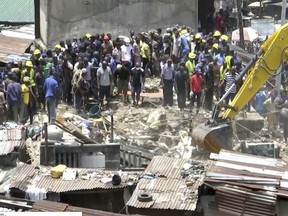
[
  {"x": 51, "y": 86},
  {"x": 14, "y": 99}
]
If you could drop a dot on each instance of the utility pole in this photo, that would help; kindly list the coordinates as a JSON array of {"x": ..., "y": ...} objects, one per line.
[
  {"x": 283, "y": 21},
  {"x": 240, "y": 22}
]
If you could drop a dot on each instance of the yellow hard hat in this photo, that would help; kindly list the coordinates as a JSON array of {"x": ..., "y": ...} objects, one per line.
[
  {"x": 217, "y": 34},
  {"x": 88, "y": 35},
  {"x": 224, "y": 37},
  {"x": 215, "y": 45},
  {"x": 37, "y": 52},
  {"x": 29, "y": 64},
  {"x": 57, "y": 46},
  {"x": 192, "y": 55},
  {"x": 198, "y": 36}
]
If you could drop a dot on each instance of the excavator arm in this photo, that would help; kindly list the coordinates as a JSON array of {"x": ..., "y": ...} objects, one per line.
[{"x": 217, "y": 133}]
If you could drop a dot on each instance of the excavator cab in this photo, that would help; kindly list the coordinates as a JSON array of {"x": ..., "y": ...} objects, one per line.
[{"x": 217, "y": 132}]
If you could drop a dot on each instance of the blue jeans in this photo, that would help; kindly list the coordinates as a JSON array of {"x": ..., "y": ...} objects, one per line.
[{"x": 51, "y": 107}]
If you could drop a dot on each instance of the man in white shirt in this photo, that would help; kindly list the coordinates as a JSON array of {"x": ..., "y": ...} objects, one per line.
[
  {"x": 126, "y": 53},
  {"x": 104, "y": 78}
]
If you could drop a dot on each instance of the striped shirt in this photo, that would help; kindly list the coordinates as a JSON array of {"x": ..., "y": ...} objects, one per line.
[{"x": 229, "y": 80}]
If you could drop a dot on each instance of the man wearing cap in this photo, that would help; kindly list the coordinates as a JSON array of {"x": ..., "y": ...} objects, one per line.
[
  {"x": 107, "y": 46},
  {"x": 26, "y": 107},
  {"x": 190, "y": 66},
  {"x": 104, "y": 78},
  {"x": 29, "y": 72},
  {"x": 126, "y": 53},
  {"x": 51, "y": 86},
  {"x": 167, "y": 76},
  {"x": 14, "y": 99},
  {"x": 37, "y": 54}
]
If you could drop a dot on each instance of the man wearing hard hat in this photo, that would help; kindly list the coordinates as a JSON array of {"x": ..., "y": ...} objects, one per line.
[{"x": 190, "y": 66}]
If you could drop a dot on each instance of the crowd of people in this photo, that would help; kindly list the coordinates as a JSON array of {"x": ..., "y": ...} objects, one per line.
[{"x": 197, "y": 67}]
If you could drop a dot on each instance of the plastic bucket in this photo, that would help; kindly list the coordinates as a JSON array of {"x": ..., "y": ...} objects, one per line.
[{"x": 94, "y": 111}]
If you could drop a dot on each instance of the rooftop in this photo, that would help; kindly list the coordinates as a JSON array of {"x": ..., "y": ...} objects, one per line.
[
  {"x": 172, "y": 183},
  {"x": 87, "y": 179},
  {"x": 17, "y": 11},
  {"x": 10, "y": 139},
  {"x": 48, "y": 206},
  {"x": 253, "y": 183}
]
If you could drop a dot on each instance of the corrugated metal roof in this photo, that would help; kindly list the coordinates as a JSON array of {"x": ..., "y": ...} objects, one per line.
[
  {"x": 168, "y": 187},
  {"x": 6, "y": 174},
  {"x": 166, "y": 167},
  {"x": 13, "y": 48},
  {"x": 9, "y": 140},
  {"x": 240, "y": 201},
  {"x": 49, "y": 206},
  {"x": 29, "y": 175},
  {"x": 170, "y": 194},
  {"x": 17, "y": 11},
  {"x": 247, "y": 184}
]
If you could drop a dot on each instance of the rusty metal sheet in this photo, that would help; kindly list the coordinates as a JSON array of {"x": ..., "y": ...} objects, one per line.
[
  {"x": 13, "y": 46},
  {"x": 242, "y": 201},
  {"x": 31, "y": 175},
  {"x": 10, "y": 139},
  {"x": 166, "y": 193}
]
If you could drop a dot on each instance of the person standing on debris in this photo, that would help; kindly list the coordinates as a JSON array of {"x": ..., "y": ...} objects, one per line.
[
  {"x": 122, "y": 76},
  {"x": 283, "y": 117},
  {"x": 196, "y": 89},
  {"x": 136, "y": 51},
  {"x": 209, "y": 87},
  {"x": 190, "y": 67},
  {"x": 167, "y": 77},
  {"x": 137, "y": 80},
  {"x": 51, "y": 88},
  {"x": 26, "y": 106},
  {"x": 228, "y": 81},
  {"x": 39, "y": 90},
  {"x": 14, "y": 99},
  {"x": 104, "y": 77},
  {"x": 272, "y": 118},
  {"x": 3, "y": 109},
  {"x": 67, "y": 71},
  {"x": 260, "y": 98},
  {"x": 181, "y": 78}
]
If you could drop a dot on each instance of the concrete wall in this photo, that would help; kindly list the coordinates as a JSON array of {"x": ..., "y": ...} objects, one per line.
[{"x": 62, "y": 19}]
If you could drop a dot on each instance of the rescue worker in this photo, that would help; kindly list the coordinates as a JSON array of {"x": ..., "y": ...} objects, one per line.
[
  {"x": 221, "y": 87},
  {"x": 190, "y": 67}
]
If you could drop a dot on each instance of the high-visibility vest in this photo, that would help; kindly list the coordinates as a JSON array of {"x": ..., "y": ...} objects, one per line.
[
  {"x": 228, "y": 60},
  {"x": 222, "y": 72},
  {"x": 190, "y": 67},
  {"x": 31, "y": 75}
]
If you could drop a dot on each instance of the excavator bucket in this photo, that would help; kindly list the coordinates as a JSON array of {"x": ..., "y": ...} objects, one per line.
[{"x": 213, "y": 137}]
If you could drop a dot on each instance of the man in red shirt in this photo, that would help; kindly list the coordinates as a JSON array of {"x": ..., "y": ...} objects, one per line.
[{"x": 196, "y": 88}]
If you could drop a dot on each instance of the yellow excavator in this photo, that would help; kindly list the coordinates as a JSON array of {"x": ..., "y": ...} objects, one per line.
[{"x": 217, "y": 132}]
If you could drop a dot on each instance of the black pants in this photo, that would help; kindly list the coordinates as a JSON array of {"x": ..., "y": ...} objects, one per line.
[
  {"x": 136, "y": 91},
  {"x": 168, "y": 92},
  {"x": 196, "y": 96},
  {"x": 209, "y": 98},
  {"x": 181, "y": 99}
]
